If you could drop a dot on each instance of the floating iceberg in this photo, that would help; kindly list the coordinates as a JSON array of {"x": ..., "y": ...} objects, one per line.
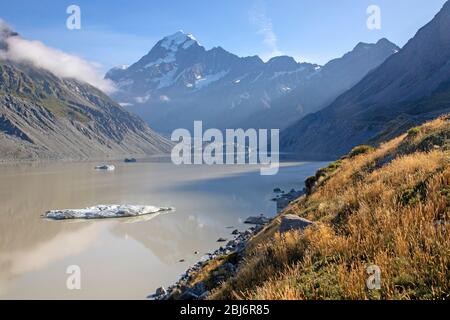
[
  {"x": 105, "y": 211},
  {"x": 108, "y": 167}
]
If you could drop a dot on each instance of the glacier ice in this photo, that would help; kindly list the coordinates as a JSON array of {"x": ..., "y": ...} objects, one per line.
[
  {"x": 106, "y": 211},
  {"x": 108, "y": 167}
]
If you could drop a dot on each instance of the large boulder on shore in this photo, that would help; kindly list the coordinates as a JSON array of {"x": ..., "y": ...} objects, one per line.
[{"x": 292, "y": 222}]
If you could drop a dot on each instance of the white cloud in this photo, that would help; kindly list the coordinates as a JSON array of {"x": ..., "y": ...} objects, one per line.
[
  {"x": 59, "y": 63},
  {"x": 259, "y": 18}
]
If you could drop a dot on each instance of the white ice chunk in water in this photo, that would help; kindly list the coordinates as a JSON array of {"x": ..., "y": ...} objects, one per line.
[
  {"x": 108, "y": 167},
  {"x": 106, "y": 211}
]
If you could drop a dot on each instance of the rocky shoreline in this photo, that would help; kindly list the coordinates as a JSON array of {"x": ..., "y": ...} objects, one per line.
[
  {"x": 181, "y": 289},
  {"x": 231, "y": 254},
  {"x": 283, "y": 199}
]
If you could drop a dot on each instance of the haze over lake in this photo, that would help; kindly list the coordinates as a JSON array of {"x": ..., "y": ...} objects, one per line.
[{"x": 123, "y": 258}]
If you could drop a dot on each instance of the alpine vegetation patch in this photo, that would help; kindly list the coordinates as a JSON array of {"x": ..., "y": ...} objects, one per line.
[{"x": 238, "y": 146}]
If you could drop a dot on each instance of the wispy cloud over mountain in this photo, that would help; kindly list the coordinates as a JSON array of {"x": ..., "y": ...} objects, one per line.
[
  {"x": 260, "y": 19},
  {"x": 63, "y": 65}
]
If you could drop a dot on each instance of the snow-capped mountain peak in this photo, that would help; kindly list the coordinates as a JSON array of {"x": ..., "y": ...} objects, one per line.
[
  {"x": 179, "y": 81},
  {"x": 178, "y": 40}
]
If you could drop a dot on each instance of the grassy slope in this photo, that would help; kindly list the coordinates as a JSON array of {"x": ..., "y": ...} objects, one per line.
[
  {"x": 40, "y": 88},
  {"x": 388, "y": 207}
]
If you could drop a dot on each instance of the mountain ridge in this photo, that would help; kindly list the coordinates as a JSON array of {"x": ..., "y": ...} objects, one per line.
[
  {"x": 335, "y": 77},
  {"x": 386, "y": 97},
  {"x": 47, "y": 118},
  {"x": 179, "y": 81}
]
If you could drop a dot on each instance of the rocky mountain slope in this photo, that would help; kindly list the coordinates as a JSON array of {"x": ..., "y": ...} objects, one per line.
[
  {"x": 46, "y": 117},
  {"x": 411, "y": 87},
  {"x": 179, "y": 81}
]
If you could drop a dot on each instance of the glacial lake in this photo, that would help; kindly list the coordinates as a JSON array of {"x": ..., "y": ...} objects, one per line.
[{"x": 123, "y": 258}]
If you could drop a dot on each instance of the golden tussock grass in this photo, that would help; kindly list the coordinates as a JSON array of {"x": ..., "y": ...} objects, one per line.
[{"x": 387, "y": 207}]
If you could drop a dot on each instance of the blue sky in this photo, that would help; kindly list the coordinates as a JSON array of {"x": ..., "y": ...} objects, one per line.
[{"x": 121, "y": 31}]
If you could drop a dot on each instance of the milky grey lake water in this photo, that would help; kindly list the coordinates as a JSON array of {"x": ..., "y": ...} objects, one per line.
[{"x": 123, "y": 258}]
